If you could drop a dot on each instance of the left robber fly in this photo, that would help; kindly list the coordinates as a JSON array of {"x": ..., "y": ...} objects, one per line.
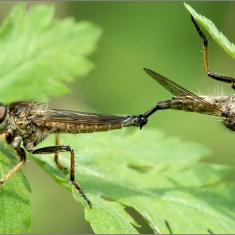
[{"x": 30, "y": 122}]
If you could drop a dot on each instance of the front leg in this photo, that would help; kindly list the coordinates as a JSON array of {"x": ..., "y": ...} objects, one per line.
[
  {"x": 62, "y": 148},
  {"x": 20, "y": 154}
]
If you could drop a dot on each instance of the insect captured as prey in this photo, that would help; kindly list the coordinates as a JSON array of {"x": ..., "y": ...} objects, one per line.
[
  {"x": 221, "y": 106},
  {"x": 28, "y": 123}
]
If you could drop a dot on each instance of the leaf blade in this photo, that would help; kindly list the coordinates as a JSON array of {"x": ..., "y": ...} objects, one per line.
[
  {"x": 15, "y": 204},
  {"x": 48, "y": 53},
  {"x": 173, "y": 189}
]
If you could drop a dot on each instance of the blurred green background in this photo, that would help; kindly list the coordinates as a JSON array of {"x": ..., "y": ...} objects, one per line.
[{"x": 156, "y": 35}]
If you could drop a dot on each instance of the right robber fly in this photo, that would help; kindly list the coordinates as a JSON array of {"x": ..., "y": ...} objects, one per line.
[{"x": 220, "y": 106}]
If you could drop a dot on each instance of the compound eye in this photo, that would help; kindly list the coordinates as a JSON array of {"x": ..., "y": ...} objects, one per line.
[{"x": 3, "y": 113}]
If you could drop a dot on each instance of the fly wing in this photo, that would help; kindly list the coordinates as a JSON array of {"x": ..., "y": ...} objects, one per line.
[
  {"x": 177, "y": 90},
  {"x": 67, "y": 116}
]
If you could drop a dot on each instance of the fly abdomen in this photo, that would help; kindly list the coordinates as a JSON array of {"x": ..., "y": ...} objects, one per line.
[
  {"x": 81, "y": 128},
  {"x": 187, "y": 103},
  {"x": 96, "y": 126}
]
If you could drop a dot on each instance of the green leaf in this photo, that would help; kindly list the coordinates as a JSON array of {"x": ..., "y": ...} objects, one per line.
[
  {"x": 162, "y": 178},
  {"x": 39, "y": 53},
  {"x": 219, "y": 38},
  {"x": 14, "y": 201}
]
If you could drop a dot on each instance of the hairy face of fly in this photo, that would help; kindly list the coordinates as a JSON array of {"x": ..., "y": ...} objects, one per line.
[{"x": 3, "y": 118}]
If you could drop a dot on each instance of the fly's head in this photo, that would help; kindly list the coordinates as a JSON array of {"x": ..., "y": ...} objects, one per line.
[
  {"x": 143, "y": 120},
  {"x": 3, "y": 118},
  {"x": 140, "y": 120}
]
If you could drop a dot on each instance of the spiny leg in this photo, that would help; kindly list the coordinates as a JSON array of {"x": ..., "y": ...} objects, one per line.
[
  {"x": 56, "y": 157},
  {"x": 216, "y": 76},
  {"x": 61, "y": 148},
  {"x": 21, "y": 154}
]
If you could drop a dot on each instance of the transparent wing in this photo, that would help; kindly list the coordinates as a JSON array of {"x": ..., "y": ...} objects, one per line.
[
  {"x": 176, "y": 89},
  {"x": 67, "y": 116}
]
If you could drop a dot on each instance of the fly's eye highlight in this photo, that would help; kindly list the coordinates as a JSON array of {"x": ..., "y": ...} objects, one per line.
[{"x": 3, "y": 113}]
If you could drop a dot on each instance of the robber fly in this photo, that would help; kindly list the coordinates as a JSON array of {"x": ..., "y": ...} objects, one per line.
[
  {"x": 221, "y": 106},
  {"x": 29, "y": 123}
]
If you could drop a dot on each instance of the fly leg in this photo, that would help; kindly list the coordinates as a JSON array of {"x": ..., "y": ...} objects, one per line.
[
  {"x": 61, "y": 148},
  {"x": 216, "y": 76},
  {"x": 56, "y": 157},
  {"x": 21, "y": 154}
]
